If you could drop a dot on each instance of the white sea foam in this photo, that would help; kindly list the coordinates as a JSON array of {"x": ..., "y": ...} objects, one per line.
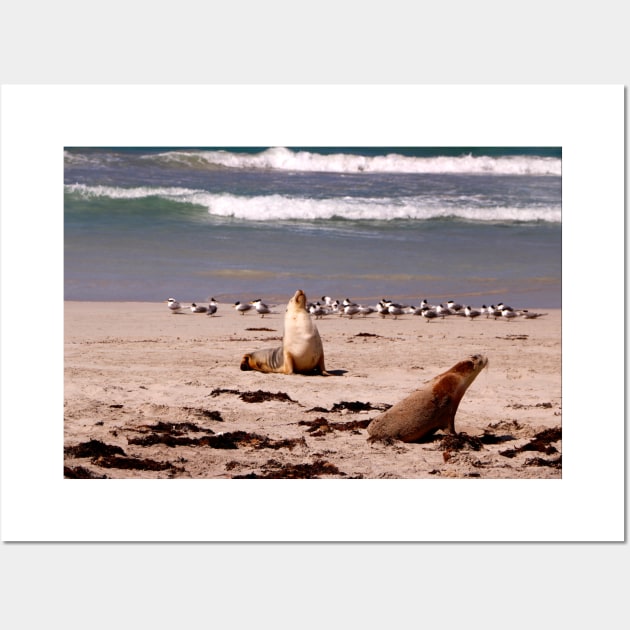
[
  {"x": 285, "y": 208},
  {"x": 280, "y": 158},
  {"x": 140, "y": 192}
]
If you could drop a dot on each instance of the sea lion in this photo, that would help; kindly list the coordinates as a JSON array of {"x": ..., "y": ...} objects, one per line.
[
  {"x": 301, "y": 350},
  {"x": 429, "y": 408}
]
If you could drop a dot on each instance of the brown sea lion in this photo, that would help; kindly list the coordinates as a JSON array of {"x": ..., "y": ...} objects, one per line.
[
  {"x": 429, "y": 408},
  {"x": 301, "y": 352}
]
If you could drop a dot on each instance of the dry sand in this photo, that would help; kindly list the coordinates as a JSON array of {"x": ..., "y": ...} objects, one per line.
[{"x": 151, "y": 394}]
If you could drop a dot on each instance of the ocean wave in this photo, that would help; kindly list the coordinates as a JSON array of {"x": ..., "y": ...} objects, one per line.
[
  {"x": 285, "y": 208},
  {"x": 139, "y": 192},
  {"x": 283, "y": 159}
]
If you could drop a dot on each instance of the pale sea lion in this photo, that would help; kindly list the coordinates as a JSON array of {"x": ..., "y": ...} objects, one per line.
[
  {"x": 301, "y": 351},
  {"x": 429, "y": 408}
]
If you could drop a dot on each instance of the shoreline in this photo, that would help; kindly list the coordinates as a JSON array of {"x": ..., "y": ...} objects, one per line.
[{"x": 160, "y": 390}]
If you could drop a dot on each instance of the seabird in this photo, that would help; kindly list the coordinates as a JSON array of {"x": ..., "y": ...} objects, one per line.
[
  {"x": 333, "y": 307},
  {"x": 242, "y": 308},
  {"x": 198, "y": 309},
  {"x": 491, "y": 311},
  {"x": 365, "y": 310},
  {"x": 395, "y": 310},
  {"x": 527, "y": 315},
  {"x": 471, "y": 313},
  {"x": 454, "y": 308},
  {"x": 173, "y": 305},
  {"x": 442, "y": 311},
  {"x": 382, "y": 309},
  {"x": 260, "y": 307},
  {"x": 508, "y": 314},
  {"x": 350, "y": 310},
  {"x": 429, "y": 314},
  {"x": 212, "y": 307},
  {"x": 317, "y": 311}
]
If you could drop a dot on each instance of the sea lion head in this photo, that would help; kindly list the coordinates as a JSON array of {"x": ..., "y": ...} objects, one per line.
[
  {"x": 298, "y": 301},
  {"x": 245, "y": 362},
  {"x": 471, "y": 366}
]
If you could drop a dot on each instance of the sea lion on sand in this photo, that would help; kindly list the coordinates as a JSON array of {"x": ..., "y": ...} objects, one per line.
[
  {"x": 429, "y": 408},
  {"x": 301, "y": 350}
]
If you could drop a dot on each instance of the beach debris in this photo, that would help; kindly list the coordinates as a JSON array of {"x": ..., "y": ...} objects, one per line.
[
  {"x": 321, "y": 426},
  {"x": 254, "y": 397},
  {"x": 539, "y": 461},
  {"x": 93, "y": 448},
  {"x": 276, "y": 470},
  {"x": 230, "y": 440},
  {"x": 460, "y": 441},
  {"x": 541, "y": 442},
  {"x": 80, "y": 472},
  {"x": 132, "y": 463},
  {"x": 204, "y": 413},
  {"x": 352, "y": 407}
]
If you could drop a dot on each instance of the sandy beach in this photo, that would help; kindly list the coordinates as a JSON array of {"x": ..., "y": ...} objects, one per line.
[{"x": 153, "y": 394}]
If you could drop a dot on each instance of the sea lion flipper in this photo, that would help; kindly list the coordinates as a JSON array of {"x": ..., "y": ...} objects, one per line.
[
  {"x": 322, "y": 367},
  {"x": 288, "y": 363}
]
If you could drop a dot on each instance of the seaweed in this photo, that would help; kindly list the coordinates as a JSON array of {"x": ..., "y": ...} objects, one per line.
[
  {"x": 275, "y": 470},
  {"x": 79, "y": 472},
  {"x": 93, "y": 448},
  {"x": 459, "y": 441},
  {"x": 204, "y": 413},
  {"x": 131, "y": 463},
  {"x": 253, "y": 397},
  {"x": 320, "y": 426},
  {"x": 541, "y": 442},
  {"x": 352, "y": 407},
  {"x": 221, "y": 441},
  {"x": 539, "y": 461}
]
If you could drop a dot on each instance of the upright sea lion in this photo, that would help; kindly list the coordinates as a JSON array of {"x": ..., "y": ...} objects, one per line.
[
  {"x": 429, "y": 408},
  {"x": 301, "y": 350}
]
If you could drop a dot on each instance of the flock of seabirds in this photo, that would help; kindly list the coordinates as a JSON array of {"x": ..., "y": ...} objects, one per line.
[{"x": 385, "y": 308}]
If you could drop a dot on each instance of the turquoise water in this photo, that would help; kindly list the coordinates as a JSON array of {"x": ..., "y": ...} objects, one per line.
[{"x": 482, "y": 225}]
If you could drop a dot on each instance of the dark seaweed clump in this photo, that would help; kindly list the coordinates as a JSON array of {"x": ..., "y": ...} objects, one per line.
[
  {"x": 254, "y": 397},
  {"x": 353, "y": 407},
  {"x": 223, "y": 441},
  {"x": 79, "y": 472},
  {"x": 459, "y": 441},
  {"x": 539, "y": 461},
  {"x": 205, "y": 413},
  {"x": 321, "y": 426},
  {"x": 131, "y": 463},
  {"x": 93, "y": 448},
  {"x": 108, "y": 456},
  {"x": 541, "y": 442},
  {"x": 275, "y": 470}
]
